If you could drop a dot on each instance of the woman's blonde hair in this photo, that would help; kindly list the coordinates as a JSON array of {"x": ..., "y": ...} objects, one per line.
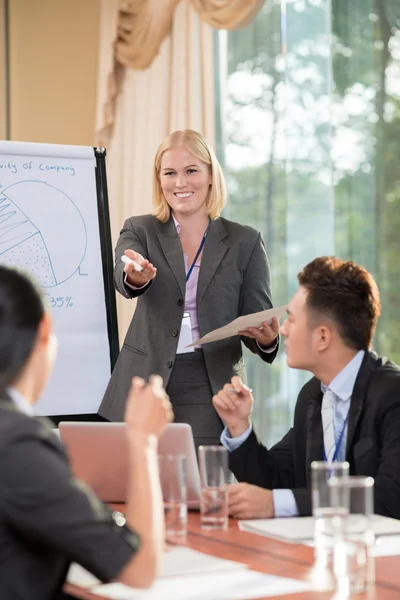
[{"x": 193, "y": 142}]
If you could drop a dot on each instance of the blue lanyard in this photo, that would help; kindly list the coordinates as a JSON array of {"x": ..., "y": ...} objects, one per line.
[
  {"x": 197, "y": 255},
  {"x": 334, "y": 457}
]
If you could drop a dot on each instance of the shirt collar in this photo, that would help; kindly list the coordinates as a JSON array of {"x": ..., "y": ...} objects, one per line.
[
  {"x": 342, "y": 385},
  {"x": 20, "y": 401},
  {"x": 177, "y": 225}
]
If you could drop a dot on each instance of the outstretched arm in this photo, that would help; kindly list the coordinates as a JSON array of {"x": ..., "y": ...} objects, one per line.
[{"x": 130, "y": 245}]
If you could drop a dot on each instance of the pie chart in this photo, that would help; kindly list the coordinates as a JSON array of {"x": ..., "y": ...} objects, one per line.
[{"x": 41, "y": 231}]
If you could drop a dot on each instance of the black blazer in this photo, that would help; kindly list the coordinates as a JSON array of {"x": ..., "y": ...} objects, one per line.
[
  {"x": 47, "y": 518},
  {"x": 234, "y": 280},
  {"x": 373, "y": 440}
]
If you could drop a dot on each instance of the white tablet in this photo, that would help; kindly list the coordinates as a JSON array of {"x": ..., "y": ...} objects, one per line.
[{"x": 98, "y": 455}]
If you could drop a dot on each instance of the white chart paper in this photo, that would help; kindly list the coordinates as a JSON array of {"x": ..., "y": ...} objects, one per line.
[{"x": 49, "y": 226}]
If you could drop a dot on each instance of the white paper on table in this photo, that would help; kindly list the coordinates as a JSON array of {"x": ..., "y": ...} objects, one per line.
[
  {"x": 301, "y": 529},
  {"x": 78, "y": 576},
  {"x": 387, "y": 545},
  {"x": 240, "y": 324},
  {"x": 385, "y": 525},
  {"x": 177, "y": 561},
  {"x": 235, "y": 585},
  {"x": 292, "y": 529},
  {"x": 186, "y": 561}
]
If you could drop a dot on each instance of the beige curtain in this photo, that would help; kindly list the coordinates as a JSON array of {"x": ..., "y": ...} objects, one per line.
[
  {"x": 142, "y": 25},
  {"x": 175, "y": 92},
  {"x": 227, "y": 14}
]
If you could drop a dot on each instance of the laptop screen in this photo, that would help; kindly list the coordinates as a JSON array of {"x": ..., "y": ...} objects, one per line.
[{"x": 98, "y": 456}]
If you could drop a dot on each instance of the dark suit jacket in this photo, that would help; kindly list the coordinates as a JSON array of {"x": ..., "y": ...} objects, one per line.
[
  {"x": 234, "y": 280},
  {"x": 48, "y": 519},
  {"x": 373, "y": 440}
]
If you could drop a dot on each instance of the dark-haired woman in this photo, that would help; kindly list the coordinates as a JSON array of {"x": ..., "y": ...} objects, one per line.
[{"x": 48, "y": 519}]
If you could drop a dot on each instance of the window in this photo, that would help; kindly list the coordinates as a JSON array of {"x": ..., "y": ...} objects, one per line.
[{"x": 309, "y": 137}]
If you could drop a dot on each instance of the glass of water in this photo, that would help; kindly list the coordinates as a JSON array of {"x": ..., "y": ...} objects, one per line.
[
  {"x": 322, "y": 510},
  {"x": 173, "y": 486},
  {"x": 214, "y": 475},
  {"x": 353, "y": 563}
]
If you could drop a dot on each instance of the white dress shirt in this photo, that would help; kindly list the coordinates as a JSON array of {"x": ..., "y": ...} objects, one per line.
[{"x": 20, "y": 401}]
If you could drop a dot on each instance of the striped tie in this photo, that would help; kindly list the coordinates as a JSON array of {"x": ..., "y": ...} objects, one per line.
[{"x": 327, "y": 412}]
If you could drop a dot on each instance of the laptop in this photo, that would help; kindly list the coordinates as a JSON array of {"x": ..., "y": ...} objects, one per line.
[{"x": 98, "y": 455}]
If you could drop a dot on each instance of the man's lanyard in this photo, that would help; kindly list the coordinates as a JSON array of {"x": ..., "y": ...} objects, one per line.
[
  {"x": 197, "y": 255},
  {"x": 337, "y": 448}
]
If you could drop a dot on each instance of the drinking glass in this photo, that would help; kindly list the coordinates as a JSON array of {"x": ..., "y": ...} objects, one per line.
[
  {"x": 214, "y": 475},
  {"x": 322, "y": 510},
  {"x": 173, "y": 486},
  {"x": 353, "y": 563}
]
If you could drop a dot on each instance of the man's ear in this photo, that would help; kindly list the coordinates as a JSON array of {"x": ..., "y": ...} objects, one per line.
[
  {"x": 45, "y": 329},
  {"x": 324, "y": 337}
]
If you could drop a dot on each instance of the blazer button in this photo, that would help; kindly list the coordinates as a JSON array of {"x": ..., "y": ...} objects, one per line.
[
  {"x": 180, "y": 302},
  {"x": 175, "y": 332},
  {"x": 169, "y": 364}
]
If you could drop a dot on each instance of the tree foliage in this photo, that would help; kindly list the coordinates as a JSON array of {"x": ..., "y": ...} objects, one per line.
[{"x": 311, "y": 126}]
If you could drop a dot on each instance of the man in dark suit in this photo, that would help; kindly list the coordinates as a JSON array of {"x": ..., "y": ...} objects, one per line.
[{"x": 349, "y": 410}]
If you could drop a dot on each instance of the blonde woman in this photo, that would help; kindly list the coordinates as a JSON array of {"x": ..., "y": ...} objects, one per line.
[{"x": 199, "y": 272}]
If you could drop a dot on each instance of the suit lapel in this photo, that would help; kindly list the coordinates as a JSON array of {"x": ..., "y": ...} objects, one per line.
[
  {"x": 314, "y": 440},
  {"x": 358, "y": 396},
  {"x": 213, "y": 253},
  {"x": 172, "y": 249}
]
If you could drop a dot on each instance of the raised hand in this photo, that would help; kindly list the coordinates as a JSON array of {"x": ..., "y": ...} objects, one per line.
[
  {"x": 234, "y": 404},
  {"x": 148, "y": 408}
]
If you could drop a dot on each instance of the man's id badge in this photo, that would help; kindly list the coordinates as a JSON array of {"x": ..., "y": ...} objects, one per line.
[{"x": 185, "y": 336}]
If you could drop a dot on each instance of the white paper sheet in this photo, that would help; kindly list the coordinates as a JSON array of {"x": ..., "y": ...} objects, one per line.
[
  {"x": 293, "y": 529},
  {"x": 385, "y": 545},
  {"x": 78, "y": 576},
  {"x": 239, "y": 324},
  {"x": 301, "y": 529},
  {"x": 177, "y": 561},
  {"x": 241, "y": 585},
  {"x": 50, "y": 227},
  {"x": 186, "y": 561},
  {"x": 388, "y": 545}
]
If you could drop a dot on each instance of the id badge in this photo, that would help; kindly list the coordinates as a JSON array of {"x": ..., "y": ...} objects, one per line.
[{"x": 185, "y": 336}]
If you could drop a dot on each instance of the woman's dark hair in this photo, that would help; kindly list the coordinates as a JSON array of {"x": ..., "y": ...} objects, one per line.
[{"x": 21, "y": 310}]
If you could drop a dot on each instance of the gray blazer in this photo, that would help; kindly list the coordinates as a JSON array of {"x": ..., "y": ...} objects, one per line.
[{"x": 234, "y": 280}]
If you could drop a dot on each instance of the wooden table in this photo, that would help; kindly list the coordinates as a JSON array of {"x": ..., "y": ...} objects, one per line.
[{"x": 275, "y": 558}]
